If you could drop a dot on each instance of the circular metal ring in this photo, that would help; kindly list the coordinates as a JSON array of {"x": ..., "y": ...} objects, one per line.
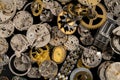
[{"x": 15, "y": 73}]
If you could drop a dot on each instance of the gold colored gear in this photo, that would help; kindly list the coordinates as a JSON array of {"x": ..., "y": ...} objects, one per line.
[
  {"x": 77, "y": 10},
  {"x": 37, "y": 7},
  {"x": 97, "y": 17},
  {"x": 68, "y": 22},
  {"x": 59, "y": 54},
  {"x": 40, "y": 55}
]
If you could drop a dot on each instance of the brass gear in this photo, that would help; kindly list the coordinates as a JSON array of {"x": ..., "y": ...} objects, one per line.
[
  {"x": 37, "y": 7},
  {"x": 97, "y": 20}
]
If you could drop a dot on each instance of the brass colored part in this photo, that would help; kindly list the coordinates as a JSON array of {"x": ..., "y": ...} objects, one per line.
[
  {"x": 95, "y": 16},
  {"x": 68, "y": 22},
  {"x": 77, "y": 10},
  {"x": 80, "y": 64},
  {"x": 1, "y": 6},
  {"x": 40, "y": 55},
  {"x": 37, "y": 7},
  {"x": 59, "y": 54},
  {"x": 93, "y": 2}
]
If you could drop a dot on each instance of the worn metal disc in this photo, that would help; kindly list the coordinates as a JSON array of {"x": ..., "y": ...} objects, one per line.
[
  {"x": 6, "y": 29},
  {"x": 23, "y": 20},
  {"x": 38, "y": 35}
]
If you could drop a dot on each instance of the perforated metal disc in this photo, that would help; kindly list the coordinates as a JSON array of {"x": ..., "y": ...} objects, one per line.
[{"x": 72, "y": 43}]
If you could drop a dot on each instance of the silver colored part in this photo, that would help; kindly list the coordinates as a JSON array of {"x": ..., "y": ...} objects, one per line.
[
  {"x": 8, "y": 11},
  {"x": 56, "y": 9},
  {"x": 48, "y": 4},
  {"x": 91, "y": 58},
  {"x": 102, "y": 68},
  {"x": 4, "y": 60},
  {"x": 38, "y": 35},
  {"x": 20, "y": 4},
  {"x": 46, "y": 16},
  {"x": 117, "y": 10},
  {"x": 115, "y": 44},
  {"x": 48, "y": 69},
  {"x": 86, "y": 37},
  {"x": 116, "y": 31},
  {"x": 34, "y": 73},
  {"x": 23, "y": 20},
  {"x": 18, "y": 78},
  {"x": 19, "y": 43},
  {"x": 57, "y": 37},
  {"x": 68, "y": 64},
  {"x": 108, "y": 53},
  {"x": 113, "y": 71},
  {"x": 110, "y": 4},
  {"x": 3, "y": 46},
  {"x": 71, "y": 43},
  {"x": 81, "y": 71},
  {"x": 64, "y": 1},
  {"x": 102, "y": 38},
  {"x": 21, "y": 64},
  {"x": 16, "y": 73},
  {"x": 6, "y": 29}
]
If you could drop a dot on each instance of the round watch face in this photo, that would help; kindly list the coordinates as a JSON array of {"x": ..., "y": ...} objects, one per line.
[
  {"x": 20, "y": 66},
  {"x": 23, "y": 20},
  {"x": 113, "y": 70},
  {"x": 38, "y": 35},
  {"x": 91, "y": 58},
  {"x": 59, "y": 54},
  {"x": 19, "y": 43},
  {"x": 81, "y": 74},
  {"x": 8, "y": 10},
  {"x": 34, "y": 73},
  {"x": 48, "y": 69}
]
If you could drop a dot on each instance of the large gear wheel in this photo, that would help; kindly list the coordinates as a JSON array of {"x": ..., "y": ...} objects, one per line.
[{"x": 97, "y": 19}]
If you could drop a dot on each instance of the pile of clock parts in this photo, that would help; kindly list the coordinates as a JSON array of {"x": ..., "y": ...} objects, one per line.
[{"x": 59, "y": 39}]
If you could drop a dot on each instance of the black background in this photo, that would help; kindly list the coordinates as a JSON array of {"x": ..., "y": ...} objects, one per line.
[{"x": 6, "y": 71}]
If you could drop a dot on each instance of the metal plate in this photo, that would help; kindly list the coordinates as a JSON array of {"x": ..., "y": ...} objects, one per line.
[
  {"x": 38, "y": 35},
  {"x": 23, "y": 20},
  {"x": 72, "y": 43},
  {"x": 3, "y": 46},
  {"x": 6, "y": 29}
]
